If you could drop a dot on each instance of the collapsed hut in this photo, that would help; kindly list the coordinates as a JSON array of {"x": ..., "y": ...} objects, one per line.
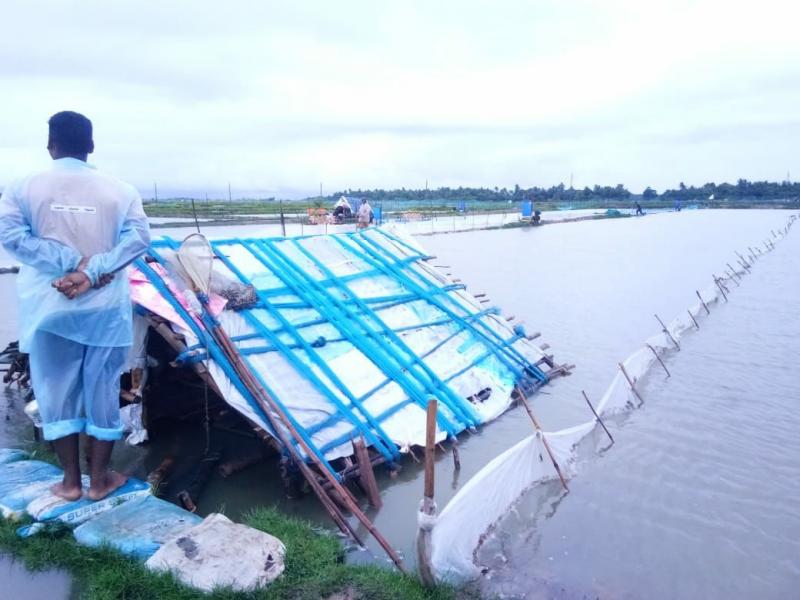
[{"x": 347, "y": 336}]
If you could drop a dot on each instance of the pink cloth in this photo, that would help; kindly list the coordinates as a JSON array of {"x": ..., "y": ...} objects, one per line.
[{"x": 145, "y": 294}]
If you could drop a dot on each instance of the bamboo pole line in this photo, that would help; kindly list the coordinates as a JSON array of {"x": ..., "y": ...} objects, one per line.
[
  {"x": 544, "y": 439},
  {"x": 630, "y": 383},
  {"x": 596, "y": 416},
  {"x": 708, "y": 312},
  {"x": 653, "y": 350},
  {"x": 667, "y": 332},
  {"x": 691, "y": 316}
]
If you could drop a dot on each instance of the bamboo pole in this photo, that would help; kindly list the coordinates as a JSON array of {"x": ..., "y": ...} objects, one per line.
[
  {"x": 544, "y": 439},
  {"x": 428, "y": 506},
  {"x": 721, "y": 290},
  {"x": 732, "y": 278},
  {"x": 703, "y": 302},
  {"x": 734, "y": 271},
  {"x": 366, "y": 475},
  {"x": 596, "y": 416},
  {"x": 691, "y": 316},
  {"x": 630, "y": 383},
  {"x": 271, "y": 407},
  {"x": 456, "y": 458},
  {"x": 273, "y": 412},
  {"x": 430, "y": 448},
  {"x": 653, "y": 350},
  {"x": 743, "y": 261},
  {"x": 667, "y": 332}
]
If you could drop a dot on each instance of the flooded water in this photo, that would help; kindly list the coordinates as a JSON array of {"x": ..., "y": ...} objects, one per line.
[{"x": 696, "y": 497}]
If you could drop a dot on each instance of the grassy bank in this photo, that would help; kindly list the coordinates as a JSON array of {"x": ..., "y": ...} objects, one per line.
[{"x": 314, "y": 568}]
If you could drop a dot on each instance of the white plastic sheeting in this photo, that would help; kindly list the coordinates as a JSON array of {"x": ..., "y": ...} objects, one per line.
[
  {"x": 473, "y": 513},
  {"x": 446, "y": 348}
]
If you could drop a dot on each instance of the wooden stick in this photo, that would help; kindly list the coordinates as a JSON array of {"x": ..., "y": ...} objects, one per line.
[
  {"x": 732, "y": 278},
  {"x": 456, "y": 458},
  {"x": 630, "y": 383},
  {"x": 659, "y": 359},
  {"x": 691, "y": 316},
  {"x": 596, "y": 416},
  {"x": 666, "y": 331},
  {"x": 366, "y": 475},
  {"x": 721, "y": 287},
  {"x": 544, "y": 439},
  {"x": 743, "y": 260},
  {"x": 708, "y": 312},
  {"x": 428, "y": 507},
  {"x": 271, "y": 411},
  {"x": 158, "y": 474},
  {"x": 735, "y": 272},
  {"x": 430, "y": 447},
  {"x": 230, "y": 467}
]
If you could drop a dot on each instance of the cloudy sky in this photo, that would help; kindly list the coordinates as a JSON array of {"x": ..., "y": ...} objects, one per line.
[{"x": 278, "y": 97}]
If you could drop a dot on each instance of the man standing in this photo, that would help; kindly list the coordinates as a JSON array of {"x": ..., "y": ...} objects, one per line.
[
  {"x": 364, "y": 215},
  {"x": 73, "y": 229}
]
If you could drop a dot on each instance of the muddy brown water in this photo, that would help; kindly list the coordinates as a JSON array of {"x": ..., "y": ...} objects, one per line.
[{"x": 697, "y": 497}]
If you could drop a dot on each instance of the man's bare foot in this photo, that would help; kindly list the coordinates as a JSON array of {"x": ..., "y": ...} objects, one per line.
[
  {"x": 100, "y": 489},
  {"x": 67, "y": 493}
]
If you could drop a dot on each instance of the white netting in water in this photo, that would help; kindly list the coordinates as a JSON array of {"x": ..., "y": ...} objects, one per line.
[
  {"x": 472, "y": 514},
  {"x": 480, "y": 504}
]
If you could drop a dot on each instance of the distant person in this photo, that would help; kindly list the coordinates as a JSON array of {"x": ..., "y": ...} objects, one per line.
[
  {"x": 365, "y": 215},
  {"x": 639, "y": 210},
  {"x": 73, "y": 229},
  {"x": 342, "y": 210},
  {"x": 677, "y": 205}
]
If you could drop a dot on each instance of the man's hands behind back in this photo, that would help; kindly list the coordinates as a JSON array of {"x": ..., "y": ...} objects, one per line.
[{"x": 77, "y": 282}]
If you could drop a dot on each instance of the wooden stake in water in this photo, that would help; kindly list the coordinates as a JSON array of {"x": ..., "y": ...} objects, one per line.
[
  {"x": 734, "y": 271},
  {"x": 544, "y": 439},
  {"x": 630, "y": 383},
  {"x": 703, "y": 302},
  {"x": 428, "y": 506},
  {"x": 596, "y": 416},
  {"x": 667, "y": 333},
  {"x": 691, "y": 316},
  {"x": 653, "y": 350},
  {"x": 732, "y": 278},
  {"x": 719, "y": 285},
  {"x": 744, "y": 262}
]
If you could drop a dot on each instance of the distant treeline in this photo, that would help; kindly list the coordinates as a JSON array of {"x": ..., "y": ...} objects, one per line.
[{"x": 742, "y": 190}]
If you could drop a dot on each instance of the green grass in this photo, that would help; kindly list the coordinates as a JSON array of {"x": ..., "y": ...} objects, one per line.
[{"x": 314, "y": 567}]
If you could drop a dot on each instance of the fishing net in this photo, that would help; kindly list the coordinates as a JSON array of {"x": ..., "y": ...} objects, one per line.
[{"x": 471, "y": 516}]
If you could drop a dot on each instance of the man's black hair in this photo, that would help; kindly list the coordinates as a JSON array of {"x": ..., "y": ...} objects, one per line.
[{"x": 71, "y": 132}]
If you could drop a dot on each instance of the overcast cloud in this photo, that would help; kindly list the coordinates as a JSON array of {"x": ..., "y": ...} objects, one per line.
[{"x": 276, "y": 97}]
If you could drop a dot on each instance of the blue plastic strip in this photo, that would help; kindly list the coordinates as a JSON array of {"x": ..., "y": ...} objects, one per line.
[
  {"x": 510, "y": 357},
  {"x": 438, "y": 386},
  {"x": 432, "y": 383},
  {"x": 345, "y": 320},
  {"x": 219, "y": 357},
  {"x": 382, "y": 442}
]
